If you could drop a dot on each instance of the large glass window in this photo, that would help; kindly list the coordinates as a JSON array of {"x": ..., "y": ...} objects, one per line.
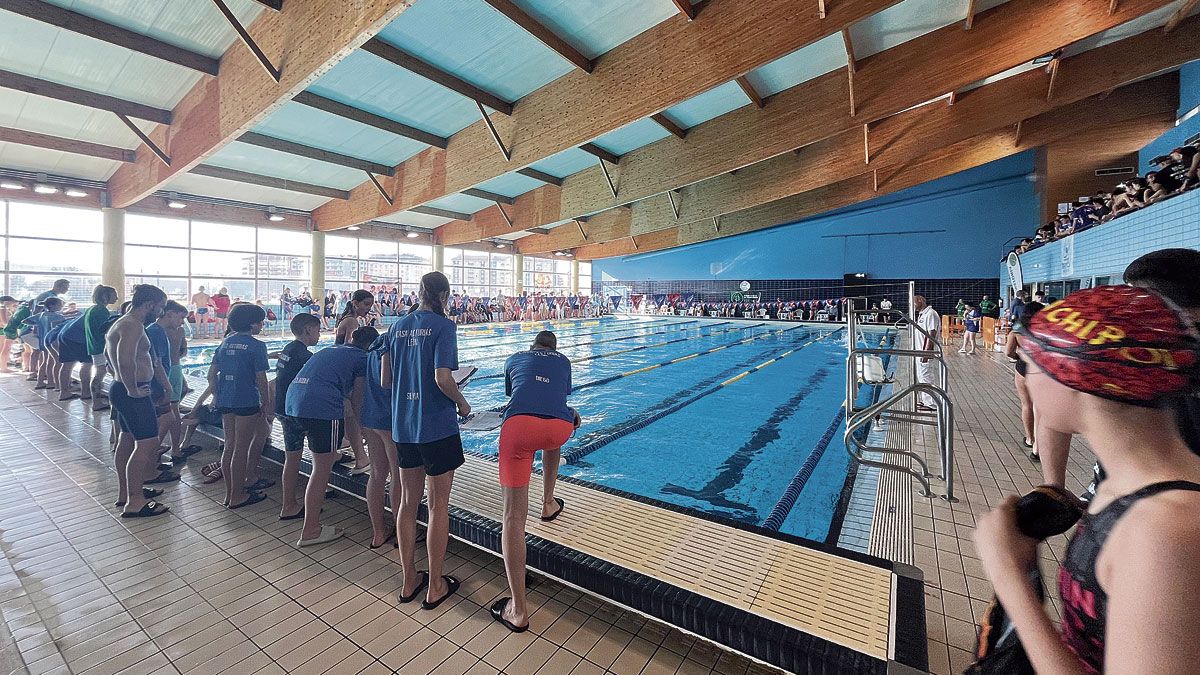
[
  {"x": 479, "y": 273},
  {"x": 548, "y": 275}
]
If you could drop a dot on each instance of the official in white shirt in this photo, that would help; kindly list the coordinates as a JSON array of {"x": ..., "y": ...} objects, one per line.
[{"x": 931, "y": 323}]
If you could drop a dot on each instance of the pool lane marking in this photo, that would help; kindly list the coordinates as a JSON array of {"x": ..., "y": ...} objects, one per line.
[
  {"x": 567, "y": 330},
  {"x": 584, "y": 450},
  {"x": 640, "y": 347},
  {"x": 783, "y": 507},
  {"x": 524, "y": 338}
]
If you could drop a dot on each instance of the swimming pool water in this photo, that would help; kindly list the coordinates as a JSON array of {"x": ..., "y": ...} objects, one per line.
[{"x": 690, "y": 432}]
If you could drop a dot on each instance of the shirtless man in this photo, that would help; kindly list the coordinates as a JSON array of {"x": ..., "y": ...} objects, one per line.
[
  {"x": 128, "y": 351},
  {"x": 202, "y": 301}
]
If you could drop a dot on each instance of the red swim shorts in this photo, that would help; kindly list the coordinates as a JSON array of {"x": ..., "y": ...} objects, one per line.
[{"x": 522, "y": 436}]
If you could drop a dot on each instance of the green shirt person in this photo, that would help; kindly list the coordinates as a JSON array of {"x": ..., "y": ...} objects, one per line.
[
  {"x": 987, "y": 306},
  {"x": 960, "y": 308}
]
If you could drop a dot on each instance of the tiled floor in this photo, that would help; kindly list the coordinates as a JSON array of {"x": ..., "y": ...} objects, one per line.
[
  {"x": 991, "y": 463},
  {"x": 207, "y": 590}
]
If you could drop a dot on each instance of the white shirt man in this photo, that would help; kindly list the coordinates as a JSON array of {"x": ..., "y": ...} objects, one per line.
[
  {"x": 929, "y": 321},
  {"x": 885, "y": 305}
]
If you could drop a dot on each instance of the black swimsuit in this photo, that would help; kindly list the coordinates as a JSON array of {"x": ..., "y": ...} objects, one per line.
[{"x": 1085, "y": 610}]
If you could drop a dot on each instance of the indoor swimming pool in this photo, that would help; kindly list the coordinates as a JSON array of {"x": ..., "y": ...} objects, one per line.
[{"x": 724, "y": 417}]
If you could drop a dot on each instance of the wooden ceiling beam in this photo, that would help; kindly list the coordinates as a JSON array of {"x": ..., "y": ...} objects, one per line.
[
  {"x": 75, "y": 147},
  {"x": 308, "y": 38},
  {"x": 490, "y": 196},
  {"x": 1180, "y": 14},
  {"x": 276, "y": 5},
  {"x": 396, "y": 56},
  {"x": 666, "y": 123},
  {"x": 83, "y": 24},
  {"x": 970, "y": 21},
  {"x": 301, "y": 150},
  {"x": 579, "y": 107},
  {"x": 268, "y": 181},
  {"x": 816, "y": 110},
  {"x": 441, "y": 213},
  {"x": 686, "y": 8},
  {"x": 541, "y": 175},
  {"x": 597, "y": 151},
  {"x": 370, "y": 119},
  {"x": 90, "y": 99},
  {"x": 750, "y": 92},
  {"x": 542, "y": 34}
]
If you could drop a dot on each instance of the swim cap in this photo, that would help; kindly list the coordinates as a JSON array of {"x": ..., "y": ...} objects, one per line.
[{"x": 1122, "y": 343}]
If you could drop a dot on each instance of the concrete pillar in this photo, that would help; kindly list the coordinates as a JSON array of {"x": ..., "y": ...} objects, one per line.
[
  {"x": 112, "y": 268},
  {"x": 439, "y": 258},
  {"x": 574, "y": 275},
  {"x": 518, "y": 273},
  {"x": 317, "y": 273}
]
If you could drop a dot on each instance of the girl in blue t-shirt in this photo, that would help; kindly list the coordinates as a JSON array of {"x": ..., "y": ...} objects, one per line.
[
  {"x": 238, "y": 380},
  {"x": 375, "y": 414},
  {"x": 971, "y": 318}
]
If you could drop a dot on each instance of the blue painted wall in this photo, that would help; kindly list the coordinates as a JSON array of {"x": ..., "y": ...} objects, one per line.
[
  {"x": 1107, "y": 249},
  {"x": 953, "y": 228},
  {"x": 1189, "y": 98}
]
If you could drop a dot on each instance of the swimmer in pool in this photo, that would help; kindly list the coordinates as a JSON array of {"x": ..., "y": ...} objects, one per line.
[
  {"x": 128, "y": 349},
  {"x": 537, "y": 418}
]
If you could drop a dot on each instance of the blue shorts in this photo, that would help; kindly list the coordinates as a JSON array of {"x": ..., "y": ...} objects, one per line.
[
  {"x": 135, "y": 415},
  {"x": 73, "y": 352},
  {"x": 175, "y": 376}
]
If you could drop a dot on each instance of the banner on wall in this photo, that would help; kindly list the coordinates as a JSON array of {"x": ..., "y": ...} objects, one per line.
[
  {"x": 616, "y": 302},
  {"x": 660, "y": 299},
  {"x": 1068, "y": 256},
  {"x": 636, "y": 301},
  {"x": 1015, "y": 278},
  {"x": 689, "y": 298},
  {"x": 672, "y": 299}
]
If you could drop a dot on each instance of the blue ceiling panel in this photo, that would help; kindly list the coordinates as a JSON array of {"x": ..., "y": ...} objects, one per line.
[
  {"x": 566, "y": 163},
  {"x": 196, "y": 26},
  {"x": 284, "y": 165},
  {"x": 477, "y": 44},
  {"x": 709, "y": 105},
  {"x": 372, "y": 84},
  {"x": 510, "y": 184},
  {"x": 461, "y": 203},
  {"x": 596, "y": 26},
  {"x": 804, "y": 64},
  {"x": 632, "y": 136},
  {"x": 302, "y": 124}
]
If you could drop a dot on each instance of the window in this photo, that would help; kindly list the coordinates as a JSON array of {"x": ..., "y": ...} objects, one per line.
[
  {"x": 45, "y": 221},
  {"x": 223, "y": 237},
  {"x": 547, "y": 275},
  {"x": 479, "y": 273},
  {"x": 585, "y": 278}
]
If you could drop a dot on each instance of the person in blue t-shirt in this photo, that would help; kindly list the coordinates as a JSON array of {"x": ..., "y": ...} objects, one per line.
[
  {"x": 376, "y": 419},
  {"x": 238, "y": 379},
  {"x": 71, "y": 343},
  {"x": 418, "y": 369},
  {"x": 43, "y": 323},
  {"x": 971, "y": 319},
  {"x": 166, "y": 405},
  {"x": 537, "y": 418},
  {"x": 316, "y": 400},
  {"x": 307, "y": 329}
]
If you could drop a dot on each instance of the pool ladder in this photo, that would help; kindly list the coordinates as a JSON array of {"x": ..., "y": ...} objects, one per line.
[{"x": 895, "y": 406}]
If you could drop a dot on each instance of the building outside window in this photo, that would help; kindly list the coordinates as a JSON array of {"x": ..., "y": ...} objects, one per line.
[
  {"x": 41, "y": 243},
  {"x": 480, "y": 274}
]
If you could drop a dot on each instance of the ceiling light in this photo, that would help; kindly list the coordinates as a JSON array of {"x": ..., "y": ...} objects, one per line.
[
  {"x": 413, "y": 235},
  {"x": 499, "y": 245},
  {"x": 45, "y": 189},
  {"x": 7, "y": 185},
  {"x": 353, "y": 228},
  {"x": 75, "y": 192},
  {"x": 176, "y": 204},
  {"x": 273, "y": 215},
  {"x": 558, "y": 253}
]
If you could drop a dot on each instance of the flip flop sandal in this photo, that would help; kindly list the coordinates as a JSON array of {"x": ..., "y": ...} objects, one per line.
[
  {"x": 211, "y": 472},
  {"x": 420, "y": 587},
  {"x": 385, "y": 542},
  {"x": 295, "y": 516},
  {"x": 148, "y": 493},
  {"x": 328, "y": 533},
  {"x": 43, "y": 386},
  {"x": 189, "y": 450},
  {"x": 31, "y": 378},
  {"x": 561, "y": 505},
  {"x": 452, "y": 585},
  {"x": 101, "y": 408},
  {"x": 150, "y": 508},
  {"x": 1035, "y": 457},
  {"x": 69, "y": 397},
  {"x": 1026, "y": 443},
  {"x": 252, "y": 499},
  {"x": 164, "y": 477},
  {"x": 498, "y": 615},
  {"x": 162, "y": 467},
  {"x": 261, "y": 484}
]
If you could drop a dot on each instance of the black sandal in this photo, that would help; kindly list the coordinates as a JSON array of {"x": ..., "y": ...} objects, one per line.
[
  {"x": 385, "y": 541},
  {"x": 498, "y": 615},
  {"x": 561, "y": 505},
  {"x": 148, "y": 493},
  {"x": 420, "y": 587},
  {"x": 295, "y": 516},
  {"x": 452, "y": 585},
  {"x": 1035, "y": 457},
  {"x": 149, "y": 509},
  {"x": 164, "y": 477},
  {"x": 252, "y": 499}
]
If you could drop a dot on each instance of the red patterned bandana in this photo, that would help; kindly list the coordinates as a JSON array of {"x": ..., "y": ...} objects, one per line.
[{"x": 1118, "y": 342}]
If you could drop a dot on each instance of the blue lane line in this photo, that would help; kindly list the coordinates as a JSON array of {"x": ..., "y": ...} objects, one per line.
[
  {"x": 581, "y": 451},
  {"x": 784, "y": 506},
  {"x": 524, "y": 338}
]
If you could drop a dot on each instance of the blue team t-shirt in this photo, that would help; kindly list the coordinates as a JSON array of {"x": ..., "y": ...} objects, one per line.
[
  {"x": 238, "y": 361},
  {"x": 72, "y": 331},
  {"x": 538, "y": 380},
  {"x": 44, "y": 323},
  {"x": 321, "y": 387},
  {"x": 377, "y": 402},
  {"x": 418, "y": 344},
  {"x": 160, "y": 348}
]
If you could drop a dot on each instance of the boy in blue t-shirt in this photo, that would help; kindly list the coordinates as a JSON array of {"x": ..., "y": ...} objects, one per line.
[
  {"x": 238, "y": 379},
  {"x": 307, "y": 329},
  {"x": 43, "y": 323},
  {"x": 316, "y": 402},
  {"x": 166, "y": 406}
]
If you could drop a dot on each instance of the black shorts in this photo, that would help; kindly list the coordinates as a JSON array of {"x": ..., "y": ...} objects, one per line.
[
  {"x": 248, "y": 411},
  {"x": 436, "y": 457},
  {"x": 293, "y": 434},
  {"x": 324, "y": 436},
  {"x": 135, "y": 415}
]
